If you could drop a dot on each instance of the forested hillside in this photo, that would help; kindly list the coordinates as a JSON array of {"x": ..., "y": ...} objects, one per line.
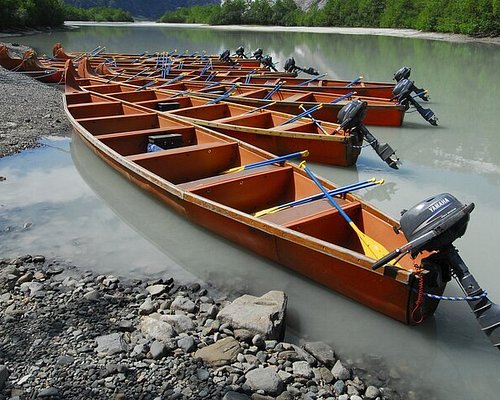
[{"x": 152, "y": 9}]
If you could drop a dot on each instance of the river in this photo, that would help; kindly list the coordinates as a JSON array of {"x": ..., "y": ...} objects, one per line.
[{"x": 61, "y": 200}]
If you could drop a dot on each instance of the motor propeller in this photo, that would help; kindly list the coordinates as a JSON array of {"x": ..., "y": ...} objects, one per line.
[
  {"x": 351, "y": 117},
  {"x": 433, "y": 225},
  {"x": 404, "y": 73},
  {"x": 291, "y": 67},
  {"x": 402, "y": 92}
]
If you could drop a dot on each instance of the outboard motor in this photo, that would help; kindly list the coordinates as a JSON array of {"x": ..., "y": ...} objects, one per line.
[
  {"x": 267, "y": 61},
  {"x": 433, "y": 225},
  {"x": 257, "y": 54},
  {"x": 351, "y": 117},
  {"x": 240, "y": 52},
  {"x": 292, "y": 68},
  {"x": 290, "y": 65},
  {"x": 404, "y": 73},
  {"x": 402, "y": 92},
  {"x": 225, "y": 57}
]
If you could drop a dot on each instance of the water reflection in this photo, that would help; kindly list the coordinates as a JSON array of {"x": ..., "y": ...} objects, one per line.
[{"x": 46, "y": 208}]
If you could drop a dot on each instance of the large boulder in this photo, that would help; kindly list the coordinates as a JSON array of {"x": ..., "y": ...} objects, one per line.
[{"x": 263, "y": 315}]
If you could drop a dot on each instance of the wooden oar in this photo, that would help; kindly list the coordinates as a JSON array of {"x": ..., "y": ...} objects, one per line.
[
  {"x": 333, "y": 192},
  {"x": 371, "y": 247},
  {"x": 279, "y": 159}
]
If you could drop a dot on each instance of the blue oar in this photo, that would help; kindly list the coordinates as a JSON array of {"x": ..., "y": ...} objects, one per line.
[
  {"x": 354, "y": 81},
  {"x": 316, "y": 122},
  {"x": 370, "y": 246},
  {"x": 249, "y": 76},
  {"x": 139, "y": 73},
  {"x": 303, "y": 114},
  {"x": 274, "y": 90},
  {"x": 146, "y": 85},
  {"x": 312, "y": 80},
  {"x": 225, "y": 95},
  {"x": 260, "y": 108},
  {"x": 298, "y": 154},
  {"x": 339, "y": 99},
  {"x": 173, "y": 80},
  {"x": 333, "y": 192}
]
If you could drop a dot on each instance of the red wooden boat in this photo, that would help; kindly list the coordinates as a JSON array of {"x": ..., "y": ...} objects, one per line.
[{"x": 281, "y": 211}]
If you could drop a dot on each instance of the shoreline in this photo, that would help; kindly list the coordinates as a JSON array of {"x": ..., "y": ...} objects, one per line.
[
  {"x": 403, "y": 33},
  {"x": 390, "y": 32}
]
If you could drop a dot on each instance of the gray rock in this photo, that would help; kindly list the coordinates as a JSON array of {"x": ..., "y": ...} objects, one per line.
[
  {"x": 340, "y": 372},
  {"x": 125, "y": 326},
  {"x": 339, "y": 387},
  {"x": 181, "y": 323},
  {"x": 65, "y": 360},
  {"x": 156, "y": 290},
  {"x": 147, "y": 307},
  {"x": 93, "y": 295},
  {"x": 4, "y": 375},
  {"x": 187, "y": 344},
  {"x": 202, "y": 374},
  {"x": 111, "y": 344},
  {"x": 356, "y": 397},
  {"x": 183, "y": 304},
  {"x": 32, "y": 287},
  {"x": 265, "y": 379},
  {"x": 372, "y": 392},
  {"x": 235, "y": 396},
  {"x": 260, "y": 315},
  {"x": 220, "y": 353},
  {"x": 156, "y": 329},
  {"x": 157, "y": 350},
  {"x": 325, "y": 375},
  {"x": 322, "y": 352},
  {"x": 302, "y": 369},
  {"x": 49, "y": 392}
]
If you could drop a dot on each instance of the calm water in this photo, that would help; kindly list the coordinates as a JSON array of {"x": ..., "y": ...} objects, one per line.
[{"x": 61, "y": 200}]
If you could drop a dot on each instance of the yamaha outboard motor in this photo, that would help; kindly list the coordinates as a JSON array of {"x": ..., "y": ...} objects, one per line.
[
  {"x": 292, "y": 68},
  {"x": 257, "y": 54},
  {"x": 351, "y": 117},
  {"x": 402, "y": 92},
  {"x": 404, "y": 73},
  {"x": 240, "y": 52},
  {"x": 267, "y": 61},
  {"x": 225, "y": 57},
  {"x": 433, "y": 225}
]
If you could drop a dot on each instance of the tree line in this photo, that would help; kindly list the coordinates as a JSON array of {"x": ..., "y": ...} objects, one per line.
[
  {"x": 19, "y": 14},
  {"x": 472, "y": 17}
]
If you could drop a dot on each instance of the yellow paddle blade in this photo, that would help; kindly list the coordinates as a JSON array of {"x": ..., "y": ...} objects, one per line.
[
  {"x": 268, "y": 211},
  {"x": 371, "y": 247}
]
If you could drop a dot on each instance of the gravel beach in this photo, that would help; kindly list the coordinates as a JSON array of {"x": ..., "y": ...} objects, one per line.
[{"x": 70, "y": 334}]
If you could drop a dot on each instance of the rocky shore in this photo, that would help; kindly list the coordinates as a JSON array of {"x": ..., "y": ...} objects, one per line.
[
  {"x": 29, "y": 110},
  {"x": 71, "y": 335}
]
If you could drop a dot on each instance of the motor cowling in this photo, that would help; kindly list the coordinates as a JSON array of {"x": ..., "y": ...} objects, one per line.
[
  {"x": 240, "y": 52},
  {"x": 290, "y": 65},
  {"x": 257, "y": 54},
  {"x": 402, "y": 73},
  {"x": 402, "y": 90},
  {"x": 443, "y": 215},
  {"x": 352, "y": 114},
  {"x": 224, "y": 55}
]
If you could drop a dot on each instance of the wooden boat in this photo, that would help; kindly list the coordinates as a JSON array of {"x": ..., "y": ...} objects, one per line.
[
  {"x": 273, "y": 131},
  {"x": 382, "y": 112},
  {"x": 29, "y": 64},
  {"x": 191, "y": 180},
  {"x": 224, "y": 185}
]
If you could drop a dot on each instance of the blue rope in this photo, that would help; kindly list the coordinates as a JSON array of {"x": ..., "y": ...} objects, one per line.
[{"x": 457, "y": 298}]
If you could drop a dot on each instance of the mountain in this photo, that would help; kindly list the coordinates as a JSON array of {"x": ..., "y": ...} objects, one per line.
[{"x": 139, "y": 8}]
